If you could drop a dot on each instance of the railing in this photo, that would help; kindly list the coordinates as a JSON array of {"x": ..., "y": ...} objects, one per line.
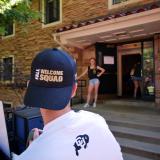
[{"x": 81, "y": 85}]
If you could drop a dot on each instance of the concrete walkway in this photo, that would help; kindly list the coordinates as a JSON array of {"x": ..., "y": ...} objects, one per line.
[{"x": 135, "y": 124}]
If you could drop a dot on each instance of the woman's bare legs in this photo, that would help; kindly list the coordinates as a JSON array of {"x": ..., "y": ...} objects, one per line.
[
  {"x": 140, "y": 85},
  {"x": 135, "y": 82},
  {"x": 96, "y": 87},
  {"x": 90, "y": 89}
]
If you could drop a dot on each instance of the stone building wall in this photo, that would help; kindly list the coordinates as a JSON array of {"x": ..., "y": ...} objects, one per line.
[
  {"x": 28, "y": 41},
  {"x": 86, "y": 54}
]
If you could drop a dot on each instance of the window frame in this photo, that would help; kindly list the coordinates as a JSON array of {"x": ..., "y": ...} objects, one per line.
[
  {"x": 52, "y": 23},
  {"x": 11, "y": 35},
  {"x": 8, "y": 110},
  {"x": 13, "y": 69},
  {"x": 8, "y": 103},
  {"x": 121, "y": 4}
]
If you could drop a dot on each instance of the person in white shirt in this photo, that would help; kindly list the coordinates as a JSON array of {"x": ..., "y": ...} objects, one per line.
[{"x": 67, "y": 135}]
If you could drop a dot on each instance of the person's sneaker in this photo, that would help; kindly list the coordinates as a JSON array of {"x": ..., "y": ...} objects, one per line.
[
  {"x": 94, "y": 105},
  {"x": 86, "y": 105}
]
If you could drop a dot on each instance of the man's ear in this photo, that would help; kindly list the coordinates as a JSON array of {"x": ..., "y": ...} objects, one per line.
[{"x": 74, "y": 89}]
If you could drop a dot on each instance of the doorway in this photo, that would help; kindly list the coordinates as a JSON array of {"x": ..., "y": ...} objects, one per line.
[
  {"x": 128, "y": 61},
  {"x": 106, "y": 56},
  {"x": 128, "y": 55}
]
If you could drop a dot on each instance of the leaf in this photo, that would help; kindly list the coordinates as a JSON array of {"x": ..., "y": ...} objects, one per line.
[{"x": 20, "y": 12}]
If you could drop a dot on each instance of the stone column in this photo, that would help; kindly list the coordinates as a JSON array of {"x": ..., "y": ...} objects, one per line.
[
  {"x": 119, "y": 70},
  {"x": 157, "y": 69}
]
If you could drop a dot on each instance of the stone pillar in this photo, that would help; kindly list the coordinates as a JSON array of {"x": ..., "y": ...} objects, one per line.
[
  {"x": 119, "y": 70},
  {"x": 157, "y": 69}
]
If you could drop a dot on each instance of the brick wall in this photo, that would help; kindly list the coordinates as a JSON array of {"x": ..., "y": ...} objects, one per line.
[
  {"x": 25, "y": 45},
  {"x": 130, "y": 5},
  {"x": 85, "y": 55}
]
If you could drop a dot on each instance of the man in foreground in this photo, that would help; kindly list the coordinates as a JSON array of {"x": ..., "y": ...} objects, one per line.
[{"x": 67, "y": 135}]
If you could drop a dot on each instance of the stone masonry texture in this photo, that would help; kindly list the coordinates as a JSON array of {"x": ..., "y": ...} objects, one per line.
[{"x": 31, "y": 39}]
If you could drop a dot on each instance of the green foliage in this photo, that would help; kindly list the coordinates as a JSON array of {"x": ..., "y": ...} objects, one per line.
[{"x": 18, "y": 11}]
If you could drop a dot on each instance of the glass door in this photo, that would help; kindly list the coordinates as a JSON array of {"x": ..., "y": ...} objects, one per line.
[{"x": 148, "y": 70}]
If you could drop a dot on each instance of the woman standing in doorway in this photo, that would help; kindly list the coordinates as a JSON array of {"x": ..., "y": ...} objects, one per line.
[
  {"x": 136, "y": 78},
  {"x": 94, "y": 72}
]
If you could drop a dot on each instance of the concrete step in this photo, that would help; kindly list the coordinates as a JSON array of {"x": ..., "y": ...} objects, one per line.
[
  {"x": 141, "y": 119},
  {"x": 146, "y": 119},
  {"x": 151, "y": 118},
  {"x": 136, "y": 134},
  {"x": 136, "y": 107},
  {"x": 127, "y": 156},
  {"x": 134, "y": 125},
  {"x": 130, "y": 102},
  {"x": 130, "y": 115},
  {"x": 140, "y": 149}
]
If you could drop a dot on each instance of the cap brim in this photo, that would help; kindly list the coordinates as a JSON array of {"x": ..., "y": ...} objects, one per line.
[{"x": 49, "y": 98}]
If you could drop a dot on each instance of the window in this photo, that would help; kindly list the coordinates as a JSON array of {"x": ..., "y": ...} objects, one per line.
[
  {"x": 7, "y": 104},
  {"x": 52, "y": 11},
  {"x": 117, "y": 1},
  {"x": 9, "y": 31},
  {"x": 120, "y": 3},
  {"x": 148, "y": 69},
  {"x": 6, "y": 69},
  {"x": 8, "y": 112}
]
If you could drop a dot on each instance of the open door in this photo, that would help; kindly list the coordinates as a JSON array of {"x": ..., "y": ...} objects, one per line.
[
  {"x": 106, "y": 56},
  {"x": 128, "y": 61}
]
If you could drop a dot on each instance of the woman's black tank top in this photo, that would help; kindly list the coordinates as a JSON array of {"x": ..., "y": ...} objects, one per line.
[{"x": 92, "y": 73}]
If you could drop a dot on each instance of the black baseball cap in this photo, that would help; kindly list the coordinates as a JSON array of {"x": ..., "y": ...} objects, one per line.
[{"x": 53, "y": 74}]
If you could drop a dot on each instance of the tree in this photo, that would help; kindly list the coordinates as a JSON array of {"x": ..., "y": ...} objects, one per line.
[{"x": 18, "y": 11}]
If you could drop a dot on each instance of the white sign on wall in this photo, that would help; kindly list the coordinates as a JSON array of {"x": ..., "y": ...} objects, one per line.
[{"x": 108, "y": 60}]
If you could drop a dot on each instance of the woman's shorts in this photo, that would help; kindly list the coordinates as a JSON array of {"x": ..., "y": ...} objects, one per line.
[
  {"x": 136, "y": 78},
  {"x": 94, "y": 81}
]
